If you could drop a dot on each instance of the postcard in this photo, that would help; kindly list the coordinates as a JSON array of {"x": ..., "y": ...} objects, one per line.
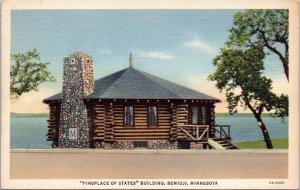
[{"x": 164, "y": 94}]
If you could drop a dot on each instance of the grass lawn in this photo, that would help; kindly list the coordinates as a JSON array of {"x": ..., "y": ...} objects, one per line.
[{"x": 277, "y": 144}]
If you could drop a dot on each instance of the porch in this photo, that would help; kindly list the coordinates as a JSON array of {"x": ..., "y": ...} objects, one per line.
[{"x": 213, "y": 136}]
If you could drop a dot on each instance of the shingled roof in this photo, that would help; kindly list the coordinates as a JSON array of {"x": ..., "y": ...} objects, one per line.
[{"x": 131, "y": 83}]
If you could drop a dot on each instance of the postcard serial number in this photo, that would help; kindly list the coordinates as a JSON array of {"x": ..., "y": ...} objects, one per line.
[{"x": 276, "y": 182}]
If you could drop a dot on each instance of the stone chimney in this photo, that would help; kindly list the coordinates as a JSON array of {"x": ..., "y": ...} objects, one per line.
[{"x": 78, "y": 81}]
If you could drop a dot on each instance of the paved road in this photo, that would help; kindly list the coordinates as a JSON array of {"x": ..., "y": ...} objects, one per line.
[{"x": 149, "y": 164}]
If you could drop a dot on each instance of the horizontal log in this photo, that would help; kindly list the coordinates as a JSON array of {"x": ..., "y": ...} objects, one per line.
[
  {"x": 118, "y": 121},
  {"x": 99, "y": 124},
  {"x": 140, "y": 134},
  {"x": 99, "y": 135},
  {"x": 139, "y": 127},
  {"x": 145, "y": 130},
  {"x": 99, "y": 129},
  {"x": 164, "y": 115},
  {"x": 99, "y": 110},
  {"x": 100, "y": 114},
  {"x": 141, "y": 110},
  {"x": 164, "y": 123},
  {"x": 118, "y": 112},
  {"x": 140, "y": 120},
  {"x": 164, "y": 120},
  {"x": 118, "y": 115},
  {"x": 140, "y": 114},
  {"x": 98, "y": 138},
  {"x": 182, "y": 112},
  {"x": 142, "y": 126},
  {"x": 164, "y": 111},
  {"x": 142, "y": 138},
  {"x": 109, "y": 140}
]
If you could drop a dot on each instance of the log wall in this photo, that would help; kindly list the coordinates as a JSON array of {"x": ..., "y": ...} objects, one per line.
[
  {"x": 182, "y": 111},
  {"x": 140, "y": 130},
  {"x": 53, "y": 123},
  {"x": 107, "y": 121},
  {"x": 99, "y": 121}
]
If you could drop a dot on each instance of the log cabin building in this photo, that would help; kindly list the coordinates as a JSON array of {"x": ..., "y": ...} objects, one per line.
[{"x": 130, "y": 109}]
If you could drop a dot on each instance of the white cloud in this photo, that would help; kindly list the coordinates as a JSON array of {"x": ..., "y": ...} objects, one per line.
[
  {"x": 156, "y": 54},
  {"x": 105, "y": 51},
  {"x": 200, "y": 44}
]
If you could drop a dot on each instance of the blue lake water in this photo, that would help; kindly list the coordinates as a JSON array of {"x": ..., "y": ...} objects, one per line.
[{"x": 30, "y": 132}]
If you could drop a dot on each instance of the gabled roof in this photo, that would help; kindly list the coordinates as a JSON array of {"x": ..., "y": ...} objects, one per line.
[{"x": 131, "y": 83}]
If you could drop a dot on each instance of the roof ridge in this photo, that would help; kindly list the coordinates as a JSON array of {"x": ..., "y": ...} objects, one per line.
[
  {"x": 145, "y": 74},
  {"x": 108, "y": 75},
  {"x": 125, "y": 71}
]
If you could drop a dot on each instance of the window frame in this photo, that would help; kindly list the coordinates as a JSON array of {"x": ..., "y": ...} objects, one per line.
[
  {"x": 124, "y": 117},
  {"x": 148, "y": 116},
  {"x": 199, "y": 115},
  {"x": 205, "y": 115},
  {"x": 192, "y": 114}
]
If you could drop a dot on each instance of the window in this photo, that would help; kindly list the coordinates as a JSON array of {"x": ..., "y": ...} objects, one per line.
[
  {"x": 152, "y": 116},
  {"x": 140, "y": 144},
  {"x": 72, "y": 60},
  {"x": 184, "y": 145},
  {"x": 128, "y": 116},
  {"x": 203, "y": 115},
  {"x": 195, "y": 114},
  {"x": 198, "y": 115}
]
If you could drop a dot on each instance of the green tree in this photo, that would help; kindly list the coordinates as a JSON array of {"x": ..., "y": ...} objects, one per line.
[
  {"x": 27, "y": 73},
  {"x": 268, "y": 28},
  {"x": 239, "y": 74}
]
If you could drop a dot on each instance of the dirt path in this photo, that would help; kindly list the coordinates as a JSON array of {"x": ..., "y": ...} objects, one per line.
[{"x": 149, "y": 164}]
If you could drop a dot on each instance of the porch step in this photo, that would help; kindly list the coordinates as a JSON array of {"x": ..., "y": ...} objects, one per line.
[{"x": 221, "y": 144}]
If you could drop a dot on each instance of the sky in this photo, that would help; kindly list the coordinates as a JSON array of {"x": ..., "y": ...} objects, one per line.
[{"x": 177, "y": 45}]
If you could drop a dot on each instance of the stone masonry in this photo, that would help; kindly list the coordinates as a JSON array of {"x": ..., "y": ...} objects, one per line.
[
  {"x": 152, "y": 144},
  {"x": 78, "y": 81}
]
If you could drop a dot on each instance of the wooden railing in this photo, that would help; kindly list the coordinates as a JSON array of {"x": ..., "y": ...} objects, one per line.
[
  {"x": 221, "y": 131},
  {"x": 195, "y": 132}
]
